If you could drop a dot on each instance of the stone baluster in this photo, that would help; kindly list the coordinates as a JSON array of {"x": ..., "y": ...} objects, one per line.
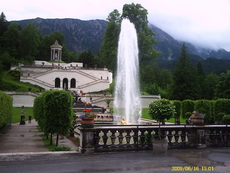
[
  {"x": 97, "y": 138},
  {"x": 183, "y": 138},
  {"x": 149, "y": 138},
  {"x": 135, "y": 137},
  {"x": 176, "y": 136},
  {"x": 128, "y": 137},
  {"x": 105, "y": 137},
  {"x": 142, "y": 136},
  {"x": 170, "y": 135},
  {"x": 156, "y": 136},
  {"x": 218, "y": 134},
  {"x": 113, "y": 137},
  {"x": 120, "y": 137},
  {"x": 211, "y": 136}
]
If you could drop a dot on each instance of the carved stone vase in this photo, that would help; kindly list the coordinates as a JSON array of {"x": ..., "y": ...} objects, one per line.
[
  {"x": 196, "y": 120},
  {"x": 87, "y": 122}
]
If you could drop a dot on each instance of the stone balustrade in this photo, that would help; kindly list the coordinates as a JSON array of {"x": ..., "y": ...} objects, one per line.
[{"x": 104, "y": 138}]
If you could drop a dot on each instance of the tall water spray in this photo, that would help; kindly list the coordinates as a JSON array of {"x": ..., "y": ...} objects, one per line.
[{"x": 127, "y": 93}]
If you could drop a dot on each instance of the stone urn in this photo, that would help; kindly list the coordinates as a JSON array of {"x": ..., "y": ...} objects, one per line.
[
  {"x": 196, "y": 120},
  {"x": 87, "y": 122}
]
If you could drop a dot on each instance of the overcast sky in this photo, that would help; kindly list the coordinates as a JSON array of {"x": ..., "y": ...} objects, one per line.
[{"x": 202, "y": 22}]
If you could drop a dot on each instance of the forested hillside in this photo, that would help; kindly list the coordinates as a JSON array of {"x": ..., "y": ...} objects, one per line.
[
  {"x": 83, "y": 35},
  {"x": 79, "y": 35}
]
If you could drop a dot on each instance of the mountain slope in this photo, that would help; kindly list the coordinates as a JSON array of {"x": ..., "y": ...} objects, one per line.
[
  {"x": 79, "y": 35},
  {"x": 83, "y": 35}
]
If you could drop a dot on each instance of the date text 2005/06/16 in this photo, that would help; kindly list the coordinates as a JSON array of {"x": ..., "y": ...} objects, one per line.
[{"x": 192, "y": 168}]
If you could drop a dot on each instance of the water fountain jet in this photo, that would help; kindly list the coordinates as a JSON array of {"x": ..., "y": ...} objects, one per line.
[{"x": 127, "y": 102}]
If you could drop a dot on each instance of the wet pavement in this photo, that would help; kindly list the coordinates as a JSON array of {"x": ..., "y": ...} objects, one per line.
[
  {"x": 22, "y": 150},
  {"x": 188, "y": 160},
  {"x": 26, "y": 138}
]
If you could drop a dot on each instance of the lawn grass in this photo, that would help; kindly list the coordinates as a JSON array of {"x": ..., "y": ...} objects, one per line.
[
  {"x": 53, "y": 147},
  {"x": 11, "y": 85},
  {"x": 145, "y": 113},
  {"x": 17, "y": 112},
  {"x": 16, "y": 115},
  {"x": 47, "y": 143},
  {"x": 171, "y": 120}
]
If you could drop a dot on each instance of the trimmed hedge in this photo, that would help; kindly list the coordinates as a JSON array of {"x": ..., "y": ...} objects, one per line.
[
  {"x": 226, "y": 119},
  {"x": 39, "y": 110},
  {"x": 58, "y": 111},
  {"x": 214, "y": 110},
  {"x": 54, "y": 112},
  {"x": 205, "y": 107},
  {"x": 178, "y": 110},
  {"x": 6, "y": 103},
  {"x": 221, "y": 106},
  {"x": 187, "y": 106}
]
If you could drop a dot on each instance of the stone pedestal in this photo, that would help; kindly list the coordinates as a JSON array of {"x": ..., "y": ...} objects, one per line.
[
  {"x": 201, "y": 138},
  {"x": 87, "y": 122},
  {"x": 160, "y": 146},
  {"x": 22, "y": 121},
  {"x": 86, "y": 140}
]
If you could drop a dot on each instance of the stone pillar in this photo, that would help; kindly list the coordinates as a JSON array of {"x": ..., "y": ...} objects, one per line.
[
  {"x": 56, "y": 50},
  {"x": 58, "y": 54},
  {"x": 86, "y": 140},
  {"x": 51, "y": 54}
]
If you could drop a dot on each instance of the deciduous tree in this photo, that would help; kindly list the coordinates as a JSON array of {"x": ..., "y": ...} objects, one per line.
[
  {"x": 11, "y": 40},
  {"x": 30, "y": 42},
  {"x": 138, "y": 15},
  {"x": 108, "y": 50},
  {"x": 222, "y": 88}
]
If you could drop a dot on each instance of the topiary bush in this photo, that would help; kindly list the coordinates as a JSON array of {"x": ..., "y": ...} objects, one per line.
[
  {"x": 187, "y": 115},
  {"x": 161, "y": 110},
  {"x": 226, "y": 119},
  {"x": 6, "y": 102},
  {"x": 219, "y": 117},
  {"x": 178, "y": 110},
  {"x": 222, "y": 105},
  {"x": 177, "y": 116}
]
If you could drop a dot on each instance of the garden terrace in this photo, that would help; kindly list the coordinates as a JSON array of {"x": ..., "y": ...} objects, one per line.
[{"x": 139, "y": 137}]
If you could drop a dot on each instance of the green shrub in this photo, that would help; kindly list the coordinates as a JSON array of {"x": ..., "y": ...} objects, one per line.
[
  {"x": 222, "y": 105},
  {"x": 219, "y": 117},
  {"x": 161, "y": 110},
  {"x": 204, "y": 107},
  {"x": 226, "y": 119},
  {"x": 6, "y": 102},
  {"x": 187, "y": 106},
  {"x": 61, "y": 148},
  {"x": 178, "y": 110},
  {"x": 77, "y": 139},
  {"x": 187, "y": 115},
  {"x": 54, "y": 113}
]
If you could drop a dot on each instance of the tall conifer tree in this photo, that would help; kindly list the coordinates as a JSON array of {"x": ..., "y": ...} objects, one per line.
[{"x": 185, "y": 85}]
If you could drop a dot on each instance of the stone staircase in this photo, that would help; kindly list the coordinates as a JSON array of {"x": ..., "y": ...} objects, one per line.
[
  {"x": 33, "y": 79},
  {"x": 36, "y": 81}
]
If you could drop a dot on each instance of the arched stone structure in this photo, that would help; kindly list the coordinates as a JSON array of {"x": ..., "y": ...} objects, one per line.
[
  {"x": 65, "y": 83},
  {"x": 73, "y": 83},
  {"x": 56, "y": 52},
  {"x": 57, "y": 83}
]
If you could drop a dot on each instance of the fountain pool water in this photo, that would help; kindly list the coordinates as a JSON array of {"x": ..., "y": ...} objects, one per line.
[{"x": 127, "y": 93}]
